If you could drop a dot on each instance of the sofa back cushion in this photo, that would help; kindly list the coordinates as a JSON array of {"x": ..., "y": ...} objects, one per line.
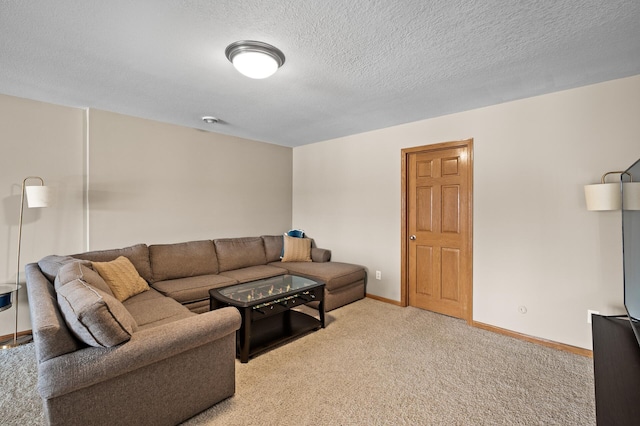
[
  {"x": 50, "y": 265},
  {"x": 78, "y": 270},
  {"x": 93, "y": 316},
  {"x": 181, "y": 260},
  {"x": 272, "y": 247},
  {"x": 236, "y": 253},
  {"x": 138, "y": 255}
]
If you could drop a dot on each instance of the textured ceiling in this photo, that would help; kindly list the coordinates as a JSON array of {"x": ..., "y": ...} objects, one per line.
[{"x": 351, "y": 66}]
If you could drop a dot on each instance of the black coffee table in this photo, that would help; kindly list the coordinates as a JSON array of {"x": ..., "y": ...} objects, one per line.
[{"x": 265, "y": 306}]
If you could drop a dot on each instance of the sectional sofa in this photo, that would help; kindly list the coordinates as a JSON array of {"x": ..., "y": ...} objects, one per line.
[{"x": 158, "y": 356}]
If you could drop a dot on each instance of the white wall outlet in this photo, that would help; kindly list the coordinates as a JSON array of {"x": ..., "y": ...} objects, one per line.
[
  {"x": 378, "y": 275},
  {"x": 589, "y": 313}
]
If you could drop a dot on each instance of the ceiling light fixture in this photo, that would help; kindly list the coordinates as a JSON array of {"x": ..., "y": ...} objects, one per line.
[{"x": 254, "y": 59}]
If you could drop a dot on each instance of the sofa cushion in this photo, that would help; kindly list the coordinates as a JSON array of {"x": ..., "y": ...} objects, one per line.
[
  {"x": 169, "y": 261},
  {"x": 50, "y": 265},
  {"x": 137, "y": 254},
  {"x": 296, "y": 249},
  {"x": 236, "y": 253},
  {"x": 272, "y": 247},
  {"x": 199, "y": 307},
  {"x": 253, "y": 273},
  {"x": 334, "y": 274},
  {"x": 192, "y": 289},
  {"x": 78, "y": 270},
  {"x": 93, "y": 316},
  {"x": 320, "y": 255},
  {"x": 121, "y": 277},
  {"x": 152, "y": 309},
  {"x": 51, "y": 334}
]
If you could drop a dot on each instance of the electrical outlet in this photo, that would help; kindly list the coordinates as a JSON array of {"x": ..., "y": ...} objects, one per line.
[
  {"x": 378, "y": 275},
  {"x": 589, "y": 313}
]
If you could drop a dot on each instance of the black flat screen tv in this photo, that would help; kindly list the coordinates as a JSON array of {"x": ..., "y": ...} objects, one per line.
[{"x": 631, "y": 250}]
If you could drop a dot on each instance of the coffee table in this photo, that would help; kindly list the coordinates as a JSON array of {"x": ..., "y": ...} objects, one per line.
[{"x": 265, "y": 306}]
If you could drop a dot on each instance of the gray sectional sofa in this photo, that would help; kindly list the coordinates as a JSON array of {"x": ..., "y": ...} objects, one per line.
[{"x": 177, "y": 359}]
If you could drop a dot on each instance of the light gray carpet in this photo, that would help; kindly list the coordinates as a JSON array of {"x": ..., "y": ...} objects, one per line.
[{"x": 378, "y": 364}]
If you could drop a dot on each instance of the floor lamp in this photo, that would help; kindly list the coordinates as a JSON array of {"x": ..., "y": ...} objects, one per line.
[{"x": 37, "y": 196}]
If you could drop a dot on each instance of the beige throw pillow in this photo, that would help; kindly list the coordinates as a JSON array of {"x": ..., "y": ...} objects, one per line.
[
  {"x": 121, "y": 277},
  {"x": 296, "y": 249}
]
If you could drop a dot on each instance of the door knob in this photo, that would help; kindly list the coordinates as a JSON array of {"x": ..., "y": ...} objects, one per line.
[{"x": 413, "y": 237}]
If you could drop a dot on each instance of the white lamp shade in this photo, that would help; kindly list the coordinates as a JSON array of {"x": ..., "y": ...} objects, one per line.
[
  {"x": 631, "y": 195},
  {"x": 255, "y": 64},
  {"x": 39, "y": 196},
  {"x": 603, "y": 196}
]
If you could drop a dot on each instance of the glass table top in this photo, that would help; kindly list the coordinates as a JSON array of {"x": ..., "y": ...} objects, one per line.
[{"x": 267, "y": 288}]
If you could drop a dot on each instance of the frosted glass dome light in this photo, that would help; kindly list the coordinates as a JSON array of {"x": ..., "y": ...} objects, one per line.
[{"x": 254, "y": 59}]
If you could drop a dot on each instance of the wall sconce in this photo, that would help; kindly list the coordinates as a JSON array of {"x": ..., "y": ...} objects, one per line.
[
  {"x": 37, "y": 196},
  {"x": 613, "y": 196}
]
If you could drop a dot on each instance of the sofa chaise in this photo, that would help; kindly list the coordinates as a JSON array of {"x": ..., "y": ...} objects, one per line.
[{"x": 163, "y": 357}]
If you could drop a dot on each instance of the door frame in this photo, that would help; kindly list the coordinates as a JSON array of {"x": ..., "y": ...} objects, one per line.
[{"x": 404, "y": 213}]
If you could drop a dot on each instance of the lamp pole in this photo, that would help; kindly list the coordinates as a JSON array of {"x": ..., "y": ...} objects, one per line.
[{"x": 41, "y": 202}]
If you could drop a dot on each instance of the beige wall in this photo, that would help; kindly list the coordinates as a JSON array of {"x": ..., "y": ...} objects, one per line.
[
  {"x": 147, "y": 182},
  {"x": 43, "y": 140},
  {"x": 153, "y": 182},
  {"x": 535, "y": 245}
]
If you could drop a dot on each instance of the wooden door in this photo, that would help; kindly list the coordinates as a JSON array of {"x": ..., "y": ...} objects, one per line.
[{"x": 437, "y": 232}]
